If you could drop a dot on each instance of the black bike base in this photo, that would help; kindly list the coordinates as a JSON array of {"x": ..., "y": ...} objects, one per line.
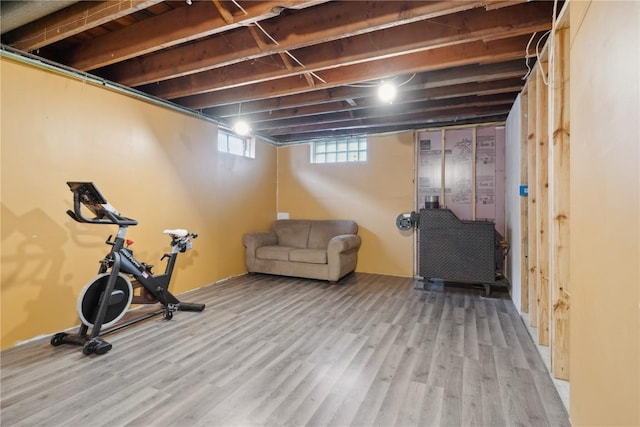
[
  {"x": 96, "y": 345},
  {"x": 89, "y": 346},
  {"x": 187, "y": 306},
  {"x": 99, "y": 346}
]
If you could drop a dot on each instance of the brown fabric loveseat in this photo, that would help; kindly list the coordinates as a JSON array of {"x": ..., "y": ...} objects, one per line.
[{"x": 313, "y": 249}]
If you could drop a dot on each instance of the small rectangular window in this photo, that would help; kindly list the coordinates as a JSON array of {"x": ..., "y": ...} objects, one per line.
[
  {"x": 234, "y": 144},
  {"x": 352, "y": 149}
]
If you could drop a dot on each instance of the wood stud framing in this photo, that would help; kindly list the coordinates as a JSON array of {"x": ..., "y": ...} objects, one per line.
[
  {"x": 531, "y": 172},
  {"x": 524, "y": 226},
  {"x": 559, "y": 158},
  {"x": 545, "y": 168},
  {"x": 542, "y": 203}
]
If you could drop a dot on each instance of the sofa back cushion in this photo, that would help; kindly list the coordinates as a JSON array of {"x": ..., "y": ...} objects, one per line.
[
  {"x": 292, "y": 232},
  {"x": 323, "y": 231}
]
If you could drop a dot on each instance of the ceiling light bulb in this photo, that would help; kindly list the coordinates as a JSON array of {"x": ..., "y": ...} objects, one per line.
[
  {"x": 387, "y": 92},
  {"x": 242, "y": 128}
]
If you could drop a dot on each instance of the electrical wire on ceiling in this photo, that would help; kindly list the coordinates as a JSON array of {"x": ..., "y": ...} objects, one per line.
[
  {"x": 537, "y": 52},
  {"x": 239, "y": 7},
  {"x": 544, "y": 79},
  {"x": 376, "y": 84},
  {"x": 257, "y": 24},
  {"x": 527, "y": 56},
  {"x": 537, "y": 56}
]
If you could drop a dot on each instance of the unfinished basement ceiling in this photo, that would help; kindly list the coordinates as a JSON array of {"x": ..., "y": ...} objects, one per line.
[{"x": 299, "y": 70}]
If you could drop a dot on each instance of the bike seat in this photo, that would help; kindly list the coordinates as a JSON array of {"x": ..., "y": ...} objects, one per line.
[{"x": 178, "y": 232}]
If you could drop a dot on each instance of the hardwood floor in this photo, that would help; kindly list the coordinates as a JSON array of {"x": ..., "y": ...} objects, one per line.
[{"x": 275, "y": 351}]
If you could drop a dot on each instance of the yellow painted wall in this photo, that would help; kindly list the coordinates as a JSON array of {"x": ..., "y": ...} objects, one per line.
[
  {"x": 156, "y": 165},
  {"x": 372, "y": 193},
  {"x": 605, "y": 213}
]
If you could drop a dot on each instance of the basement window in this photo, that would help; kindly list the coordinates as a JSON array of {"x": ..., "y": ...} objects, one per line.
[
  {"x": 234, "y": 144},
  {"x": 339, "y": 150}
]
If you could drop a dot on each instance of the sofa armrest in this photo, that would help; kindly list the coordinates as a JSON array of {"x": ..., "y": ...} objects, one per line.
[
  {"x": 343, "y": 243},
  {"x": 342, "y": 255},
  {"x": 252, "y": 241}
]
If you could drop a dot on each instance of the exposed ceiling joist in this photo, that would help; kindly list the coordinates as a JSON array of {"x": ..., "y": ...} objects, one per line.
[
  {"x": 449, "y": 77},
  {"x": 310, "y": 27},
  {"x": 181, "y": 25},
  {"x": 387, "y": 111},
  {"x": 304, "y": 69},
  {"x": 450, "y": 56},
  {"x": 82, "y": 16},
  {"x": 446, "y": 94},
  {"x": 16, "y": 14},
  {"x": 391, "y": 43}
]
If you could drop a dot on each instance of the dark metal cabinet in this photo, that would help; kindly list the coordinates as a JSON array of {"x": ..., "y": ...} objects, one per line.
[{"x": 456, "y": 250}]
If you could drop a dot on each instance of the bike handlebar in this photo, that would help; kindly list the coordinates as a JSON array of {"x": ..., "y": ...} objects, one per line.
[{"x": 104, "y": 214}]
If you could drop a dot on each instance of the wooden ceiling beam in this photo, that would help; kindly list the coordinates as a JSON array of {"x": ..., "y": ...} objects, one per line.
[
  {"x": 260, "y": 71},
  {"x": 426, "y": 80},
  {"x": 392, "y": 42},
  {"x": 258, "y": 36},
  {"x": 393, "y": 120},
  {"x": 447, "y": 93},
  {"x": 72, "y": 20},
  {"x": 471, "y": 73},
  {"x": 178, "y": 26},
  {"x": 451, "y": 56},
  {"x": 476, "y": 88},
  {"x": 302, "y": 72},
  {"x": 462, "y": 27},
  {"x": 285, "y": 56},
  {"x": 497, "y": 4},
  {"x": 308, "y": 98},
  {"x": 224, "y": 13},
  {"x": 307, "y": 27},
  {"x": 385, "y": 111},
  {"x": 451, "y": 117},
  {"x": 429, "y": 123}
]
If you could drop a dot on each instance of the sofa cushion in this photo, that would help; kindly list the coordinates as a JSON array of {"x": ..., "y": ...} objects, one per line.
[
  {"x": 279, "y": 253},
  {"x": 323, "y": 231},
  {"x": 292, "y": 232},
  {"x": 311, "y": 256}
]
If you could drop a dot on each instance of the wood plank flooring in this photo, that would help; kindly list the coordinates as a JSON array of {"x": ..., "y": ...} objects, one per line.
[{"x": 275, "y": 351}]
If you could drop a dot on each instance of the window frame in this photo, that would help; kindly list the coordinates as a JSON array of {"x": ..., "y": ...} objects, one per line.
[
  {"x": 352, "y": 149},
  {"x": 226, "y": 138}
]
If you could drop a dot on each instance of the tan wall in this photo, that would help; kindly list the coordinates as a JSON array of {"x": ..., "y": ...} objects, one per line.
[
  {"x": 372, "y": 193},
  {"x": 158, "y": 166},
  {"x": 605, "y": 213}
]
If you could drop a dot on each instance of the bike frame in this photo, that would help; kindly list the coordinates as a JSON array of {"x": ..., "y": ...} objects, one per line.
[
  {"x": 156, "y": 285},
  {"x": 121, "y": 259}
]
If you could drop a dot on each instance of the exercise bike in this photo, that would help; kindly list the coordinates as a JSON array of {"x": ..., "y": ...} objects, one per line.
[{"x": 122, "y": 280}]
